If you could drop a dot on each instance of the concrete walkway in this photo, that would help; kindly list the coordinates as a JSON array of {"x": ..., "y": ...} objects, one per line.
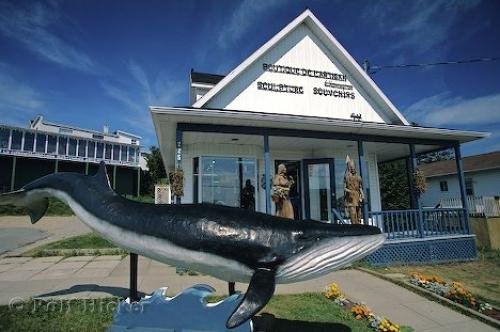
[
  {"x": 103, "y": 276},
  {"x": 24, "y": 236}
]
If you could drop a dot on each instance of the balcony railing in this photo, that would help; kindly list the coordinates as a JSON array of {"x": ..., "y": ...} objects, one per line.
[
  {"x": 414, "y": 223},
  {"x": 40, "y": 144}
]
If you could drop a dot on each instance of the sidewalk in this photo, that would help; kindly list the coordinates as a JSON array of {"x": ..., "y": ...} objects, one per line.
[
  {"x": 28, "y": 236},
  {"x": 102, "y": 276}
]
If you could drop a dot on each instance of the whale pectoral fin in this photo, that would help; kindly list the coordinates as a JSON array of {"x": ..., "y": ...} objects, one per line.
[
  {"x": 37, "y": 208},
  {"x": 259, "y": 292},
  {"x": 35, "y": 204}
]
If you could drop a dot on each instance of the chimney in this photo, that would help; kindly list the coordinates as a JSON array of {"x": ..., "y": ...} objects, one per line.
[{"x": 105, "y": 129}]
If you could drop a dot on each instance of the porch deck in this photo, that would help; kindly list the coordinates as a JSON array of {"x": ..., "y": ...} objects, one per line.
[
  {"x": 416, "y": 236},
  {"x": 424, "y": 223}
]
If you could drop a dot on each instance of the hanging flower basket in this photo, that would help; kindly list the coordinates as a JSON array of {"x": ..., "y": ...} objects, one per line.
[{"x": 177, "y": 182}]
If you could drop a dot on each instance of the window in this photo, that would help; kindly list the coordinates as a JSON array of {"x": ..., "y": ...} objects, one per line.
[
  {"x": 100, "y": 147},
  {"x": 224, "y": 178},
  {"x": 17, "y": 137},
  {"x": 51, "y": 144},
  {"x": 81, "y": 147},
  {"x": 4, "y": 138},
  {"x": 40, "y": 143},
  {"x": 107, "y": 153},
  {"x": 469, "y": 187},
  {"x": 91, "y": 153},
  {"x": 62, "y": 145},
  {"x": 124, "y": 153},
  {"x": 131, "y": 154},
  {"x": 443, "y": 185},
  {"x": 29, "y": 139},
  {"x": 66, "y": 130},
  {"x": 116, "y": 152},
  {"x": 72, "y": 147},
  {"x": 98, "y": 136}
]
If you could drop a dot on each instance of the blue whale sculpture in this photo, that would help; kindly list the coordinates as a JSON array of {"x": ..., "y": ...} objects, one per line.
[{"x": 228, "y": 243}]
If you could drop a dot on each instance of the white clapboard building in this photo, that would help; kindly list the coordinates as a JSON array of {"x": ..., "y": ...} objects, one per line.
[{"x": 302, "y": 100}]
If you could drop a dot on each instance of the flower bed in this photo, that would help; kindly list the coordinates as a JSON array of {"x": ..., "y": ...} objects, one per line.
[
  {"x": 362, "y": 312},
  {"x": 454, "y": 291}
]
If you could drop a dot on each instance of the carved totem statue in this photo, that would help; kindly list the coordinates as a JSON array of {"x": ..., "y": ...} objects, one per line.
[
  {"x": 281, "y": 193},
  {"x": 353, "y": 192}
]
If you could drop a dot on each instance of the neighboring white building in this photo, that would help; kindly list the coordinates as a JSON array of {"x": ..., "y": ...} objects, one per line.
[
  {"x": 300, "y": 99},
  {"x": 482, "y": 178},
  {"x": 45, "y": 147}
]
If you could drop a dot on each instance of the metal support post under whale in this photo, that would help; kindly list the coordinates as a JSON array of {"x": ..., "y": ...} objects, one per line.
[{"x": 228, "y": 243}]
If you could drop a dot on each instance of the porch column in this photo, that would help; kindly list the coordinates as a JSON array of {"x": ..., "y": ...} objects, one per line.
[
  {"x": 267, "y": 173},
  {"x": 461, "y": 181},
  {"x": 365, "y": 182},
  {"x": 411, "y": 185},
  {"x": 178, "y": 156},
  {"x": 420, "y": 221}
]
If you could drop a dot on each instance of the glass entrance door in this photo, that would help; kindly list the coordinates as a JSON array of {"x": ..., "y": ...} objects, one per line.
[{"x": 319, "y": 189}]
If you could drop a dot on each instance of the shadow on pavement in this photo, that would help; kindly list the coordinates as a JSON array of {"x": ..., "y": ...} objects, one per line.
[
  {"x": 267, "y": 322},
  {"x": 112, "y": 291}
]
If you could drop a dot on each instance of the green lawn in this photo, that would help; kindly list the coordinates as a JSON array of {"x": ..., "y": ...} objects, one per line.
[
  {"x": 70, "y": 246},
  {"x": 307, "y": 312},
  {"x": 85, "y": 241},
  {"x": 301, "y": 312},
  {"x": 481, "y": 276}
]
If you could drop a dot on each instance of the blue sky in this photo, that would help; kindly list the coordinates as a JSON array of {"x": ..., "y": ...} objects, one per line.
[{"x": 90, "y": 63}]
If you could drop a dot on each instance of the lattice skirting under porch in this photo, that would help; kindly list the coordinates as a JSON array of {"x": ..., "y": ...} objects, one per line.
[{"x": 441, "y": 250}]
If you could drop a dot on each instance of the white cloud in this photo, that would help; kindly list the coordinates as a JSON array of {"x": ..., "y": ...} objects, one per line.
[
  {"x": 17, "y": 98},
  {"x": 243, "y": 18},
  {"x": 35, "y": 26},
  {"x": 446, "y": 110},
  {"x": 122, "y": 95},
  {"x": 140, "y": 92},
  {"x": 419, "y": 26}
]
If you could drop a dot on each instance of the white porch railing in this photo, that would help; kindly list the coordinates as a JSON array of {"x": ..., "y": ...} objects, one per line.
[{"x": 477, "y": 205}]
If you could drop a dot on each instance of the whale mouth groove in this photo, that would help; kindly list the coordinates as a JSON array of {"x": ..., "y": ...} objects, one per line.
[{"x": 326, "y": 256}]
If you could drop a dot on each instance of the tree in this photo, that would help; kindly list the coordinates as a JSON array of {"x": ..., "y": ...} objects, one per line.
[
  {"x": 156, "y": 170},
  {"x": 155, "y": 164},
  {"x": 394, "y": 188}
]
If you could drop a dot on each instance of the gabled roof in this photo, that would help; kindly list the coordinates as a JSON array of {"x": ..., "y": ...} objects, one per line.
[
  {"x": 205, "y": 78},
  {"x": 480, "y": 162},
  {"x": 345, "y": 59}
]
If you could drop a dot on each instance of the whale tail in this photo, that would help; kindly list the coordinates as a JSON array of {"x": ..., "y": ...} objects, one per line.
[{"x": 35, "y": 203}]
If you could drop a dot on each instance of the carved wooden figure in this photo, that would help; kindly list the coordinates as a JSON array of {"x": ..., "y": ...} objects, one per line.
[{"x": 353, "y": 192}]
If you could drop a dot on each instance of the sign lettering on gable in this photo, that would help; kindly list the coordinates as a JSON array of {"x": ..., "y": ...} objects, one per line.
[{"x": 337, "y": 90}]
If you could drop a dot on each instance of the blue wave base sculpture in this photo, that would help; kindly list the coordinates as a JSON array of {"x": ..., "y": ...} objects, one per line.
[{"x": 187, "y": 311}]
